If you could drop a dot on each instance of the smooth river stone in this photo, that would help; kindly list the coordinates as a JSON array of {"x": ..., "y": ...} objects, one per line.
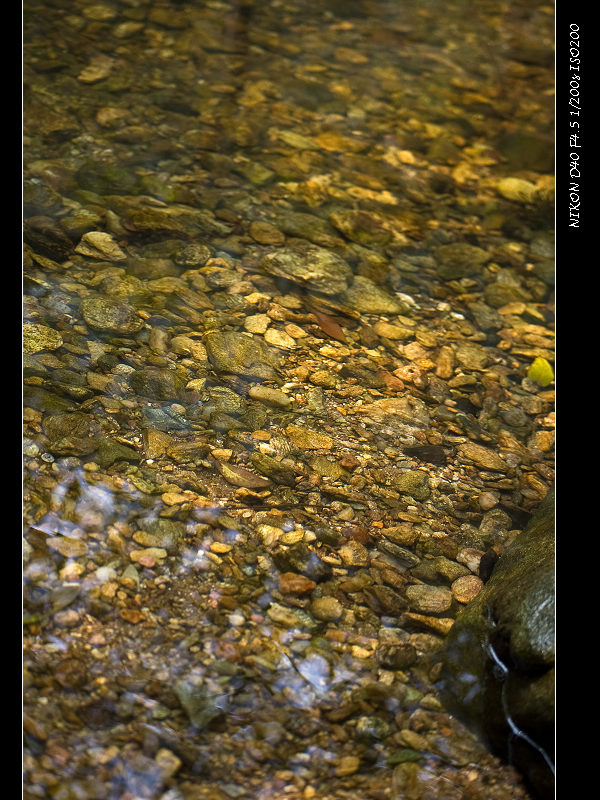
[
  {"x": 429, "y": 599},
  {"x": 362, "y": 227},
  {"x": 368, "y": 298},
  {"x": 459, "y": 259},
  {"x": 40, "y": 337},
  {"x": 398, "y": 410},
  {"x": 114, "y": 316},
  {"x": 311, "y": 266},
  {"x": 237, "y": 353},
  {"x": 101, "y": 245},
  {"x": 481, "y": 456},
  {"x": 308, "y": 226},
  {"x": 305, "y": 439}
]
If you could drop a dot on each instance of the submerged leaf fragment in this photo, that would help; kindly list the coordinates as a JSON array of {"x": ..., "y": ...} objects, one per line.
[
  {"x": 541, "y": 372},
  {"x": 239, "y": 476},
  {"x": 329, "y": 326}
]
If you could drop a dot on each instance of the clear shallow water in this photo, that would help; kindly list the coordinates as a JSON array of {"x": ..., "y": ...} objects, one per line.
[{"x": 202, "y": 621}]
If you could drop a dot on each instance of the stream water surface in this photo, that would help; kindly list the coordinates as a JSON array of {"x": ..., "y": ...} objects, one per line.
[{"x": 287, "y": 269}]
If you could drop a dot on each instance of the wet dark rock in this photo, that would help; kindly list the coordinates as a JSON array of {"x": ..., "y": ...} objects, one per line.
[
  {"x": 218, "y": 278},
  {"x": 371, "y": 729},
  {"x": 367, "y": 374},
  {"x": 429, "y": 599},
  {"x": 33, "y": 284},
  {"x": 99, "y": 714},
  {"x": 504, "y": 291},
  {"x": 163, "y": 248},
  {"x": 487, "y": 564},
  {"x": 109, "y": 451},
  {"x": 444, "y": 151},
  {"x": 255, "y": 417},
  {"x": 389, "y": 601},
  {"x": 69, "y": 434},
  {"x": 152, "y": 268},
  {"x": 326, "y": 608},
  {"x": 485, "y": 317},
  {"x": 71, "y": 673},
  {"x": 58, "y": 305},
  {"x": 401, "y": 555},
  {"x": 154, "y": 221},
  {"x": 175, "y": 221},
  {"x": 220, "y": 421},
  {"x": 158, "y": 383},
  {"x": 163, "y": 419},
  {"x": 278, "y": 472},
  {"x": 459, "y": 260},
  {"x": 39, "y": 199},
  {"x": 56, "y": 126},
  {"x": 48, "y": 402},
  {"x": 79, "y": 222},
  {"x": 166, "y": 533},
  {"x": 328, "y": 536},
  {"x": 414, "y": 483},
  {"x": 192, "y": 256},
  {"x": 371, "y": 265},
  {"x": 437, "y": 568},
  {"x": 309, "y": 94},
  {"x": 527, "y": 151},
  {"x": 127, "y": 288},
  {"x": 494, "y": 526},
  {"x": 144, "y": 774},
  {"x": 31, "y": 366},
  {"x": 72, "y": 383},
  {"x": 360, "y": 164},
  {"x": 545, "y": 270},
  {"x": 273, "y": 398},
  {"x": 498, "y": 674},
  {"x": 47, "y": 238},
  {"x": 221, "y": 398},
  {"x": 398, "y": 412},
  {"x": 301, "y": 559},
  {"x": 543, "y": 245},
  {"x": 525, "y": 46},
  {"x": 103, "y": 178},
  {"x": 224, "y": 301},
  {"x": 395, "y": 656},
  {"x": 328, "y": 468},
  {"x": 254, "y": 172}
]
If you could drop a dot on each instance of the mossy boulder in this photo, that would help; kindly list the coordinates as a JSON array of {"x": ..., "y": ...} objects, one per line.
[{"x": 498, "y": 672}]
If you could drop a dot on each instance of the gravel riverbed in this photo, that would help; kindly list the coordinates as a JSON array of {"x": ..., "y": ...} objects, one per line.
[{"x": 288, "y": 345}]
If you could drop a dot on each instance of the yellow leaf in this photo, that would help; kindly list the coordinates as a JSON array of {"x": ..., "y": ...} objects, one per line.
[{"x": 541, "y": 372}]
